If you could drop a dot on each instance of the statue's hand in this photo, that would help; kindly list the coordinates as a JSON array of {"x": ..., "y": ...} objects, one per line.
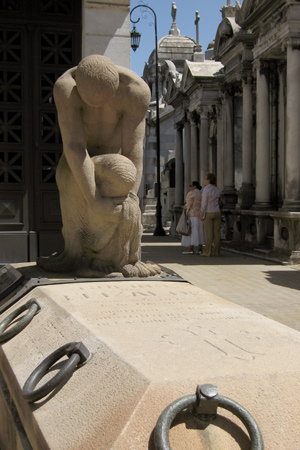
[{"x": 106, "y": 205}]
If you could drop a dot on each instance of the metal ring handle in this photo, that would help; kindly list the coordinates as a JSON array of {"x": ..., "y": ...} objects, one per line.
[
  {"x": 78, "y": 355},
  {"x": 161, "y": 435},
  {"x": 33, "y": 308}
]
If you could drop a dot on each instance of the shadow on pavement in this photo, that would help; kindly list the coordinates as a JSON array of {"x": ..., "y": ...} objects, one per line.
[
  {"x": 168, "y": 250},
  {"x": 285, "y": 278}
]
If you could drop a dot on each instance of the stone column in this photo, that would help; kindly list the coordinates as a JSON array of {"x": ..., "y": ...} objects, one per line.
[
  {"x": 262, "y": 192},
  {"x": 220, "y": 140},
  {"x": 179, "y": 197},
  {"x": 292, "y": 155},
  {"x": 187, "y": 157},
  {"x": 203, "y": 160},
  {"x": 229, "y": 191},
  {"x": 281, "y": 131},
  {"x": 194, "y": 146},
  {"x": 246, "y": 193}
]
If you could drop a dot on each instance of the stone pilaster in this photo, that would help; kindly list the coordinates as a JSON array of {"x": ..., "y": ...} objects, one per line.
[
  {"x": 203, "y": 160},
  {"x": 194, "y": 147},
  {"x": 187, "y": 156},
  {"x": 263, "y": 163},
  {"x": 212, "y": 139},
  {"x": 229, "y": 192},
  {"x": 220, "y": 146},
  {"x": 281, "y": 131},
  {"x": 246, "y": 194}
]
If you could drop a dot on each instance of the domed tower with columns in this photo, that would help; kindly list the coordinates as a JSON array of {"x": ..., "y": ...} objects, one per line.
[{"x": 173, "y": 50}]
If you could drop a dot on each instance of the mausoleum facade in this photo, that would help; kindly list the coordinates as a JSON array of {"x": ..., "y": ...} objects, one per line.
[
  {"x": 238, "y": 116},
  {"x": 173, "y": 51}
]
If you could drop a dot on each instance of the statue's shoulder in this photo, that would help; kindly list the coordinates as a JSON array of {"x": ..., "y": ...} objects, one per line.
[
  {"x": 133, "y": 88},
  {"x": 64, "y": 86}
]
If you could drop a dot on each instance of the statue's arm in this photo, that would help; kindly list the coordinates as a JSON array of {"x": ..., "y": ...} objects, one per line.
[
  {"x": 73, "y": 135},
  {"x": 133, "y": 126},
  {"x": 132, "y": 146}
]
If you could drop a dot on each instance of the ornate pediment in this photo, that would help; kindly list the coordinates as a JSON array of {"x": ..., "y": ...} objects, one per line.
[
  {"x": 244, "y": 11},
  {"x": 171, "y": 80},
  {"x": 226, "y": 30},
  {"x": 187, "y": 77}
]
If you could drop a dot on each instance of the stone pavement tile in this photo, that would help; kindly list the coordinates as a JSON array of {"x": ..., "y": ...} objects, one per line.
[{"x": 268, "y": 288}]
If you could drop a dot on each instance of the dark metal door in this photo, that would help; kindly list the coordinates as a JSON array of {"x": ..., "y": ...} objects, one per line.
[{"x": 39, "y": 40}]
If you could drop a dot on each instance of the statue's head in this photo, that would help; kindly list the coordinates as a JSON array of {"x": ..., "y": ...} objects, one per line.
[
  {"x": 97, "y": 79},
  {"x": 115, "y": 174}
]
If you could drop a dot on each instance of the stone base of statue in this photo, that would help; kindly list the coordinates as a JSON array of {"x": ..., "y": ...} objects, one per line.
[{"x": 142, "y": 344}]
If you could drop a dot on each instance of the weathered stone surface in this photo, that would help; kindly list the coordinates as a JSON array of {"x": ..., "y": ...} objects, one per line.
[
  {"x": 101, "y": 110},
  {"x": 151, "y": 343}
]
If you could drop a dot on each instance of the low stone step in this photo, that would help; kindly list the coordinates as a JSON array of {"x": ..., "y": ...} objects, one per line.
[
  {"x": 264, "y": 251},
  {"x": 149, "y": 208}
]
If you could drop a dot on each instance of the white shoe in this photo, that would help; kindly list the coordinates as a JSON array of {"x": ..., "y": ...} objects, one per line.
[{"x": 187, "y": 253}]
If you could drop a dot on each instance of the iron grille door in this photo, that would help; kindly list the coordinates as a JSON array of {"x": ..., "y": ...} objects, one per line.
[{"x": 39, "y": 40}]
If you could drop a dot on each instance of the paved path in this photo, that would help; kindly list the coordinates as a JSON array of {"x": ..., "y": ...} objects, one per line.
[{"x": 267, "y": 288}]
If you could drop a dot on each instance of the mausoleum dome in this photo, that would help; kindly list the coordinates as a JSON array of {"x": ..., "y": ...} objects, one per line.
[{"x": 174, "y": 47}]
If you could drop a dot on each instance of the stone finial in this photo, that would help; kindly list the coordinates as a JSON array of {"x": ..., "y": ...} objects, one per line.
[
  {"x": 229, "y": 10},
  {"x": 174, "y": 11},
  {"x": 174, "y": 31},
  {"x": 197, "y": 26}
]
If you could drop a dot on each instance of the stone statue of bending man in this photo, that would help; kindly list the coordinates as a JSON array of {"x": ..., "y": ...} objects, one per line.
[{"x": 101, "y": 112}]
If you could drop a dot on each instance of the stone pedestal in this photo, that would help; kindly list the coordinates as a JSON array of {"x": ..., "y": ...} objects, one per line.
[
  {"x": 287, "y": 235},
  {"x": 151, "y": 342},
  {"x": 246, "y": 196}
]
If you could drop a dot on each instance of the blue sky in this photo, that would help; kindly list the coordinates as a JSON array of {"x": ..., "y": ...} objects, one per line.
[{"x": 210, "y": 17}]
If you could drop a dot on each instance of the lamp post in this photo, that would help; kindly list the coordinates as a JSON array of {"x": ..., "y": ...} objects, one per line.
[{"x": 135, "y": 40}]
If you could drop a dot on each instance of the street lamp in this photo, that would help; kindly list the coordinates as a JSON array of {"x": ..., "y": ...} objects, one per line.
[{"x": 135, "y": 41}]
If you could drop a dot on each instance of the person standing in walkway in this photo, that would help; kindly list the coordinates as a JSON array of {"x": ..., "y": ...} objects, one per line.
[
  {"x": 193, "y": 205},
  {"x": 211, "y": 214}
]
